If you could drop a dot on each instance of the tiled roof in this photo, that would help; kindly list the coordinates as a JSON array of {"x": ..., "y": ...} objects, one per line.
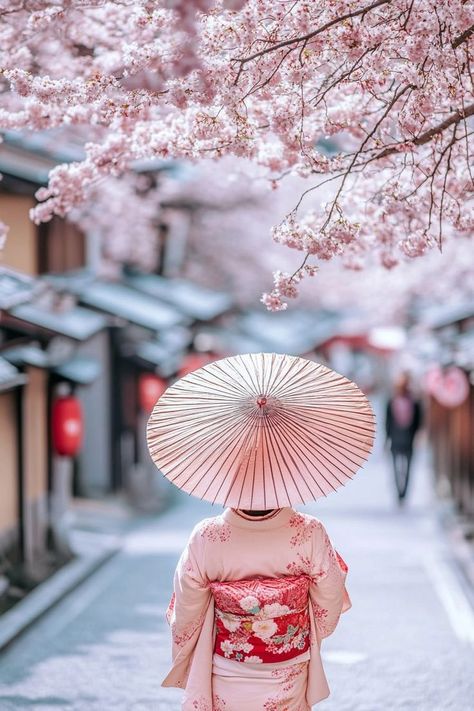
[
  {"x": 192, "y": 299},
  {"x": 80, "y": 369},
  {"x": 118, "y": 299},
  {"x": 10, "y": 377},
  {"x": 131, "y": 305},
  {"x": 78, "y": 323},
  {"x": 15, "y": 287}
]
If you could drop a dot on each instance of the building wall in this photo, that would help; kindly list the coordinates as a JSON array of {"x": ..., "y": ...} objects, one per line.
[
  {"x": 35, "y": 452},
  {"x": 61, "y": 246},
  {"x": 20, "y": 251},
  {"x": 55, "y": 246},
  {"x": 93, "y": 472},
  {"x": 450, "y": 432},
  {"x": 8, "y": 469}
]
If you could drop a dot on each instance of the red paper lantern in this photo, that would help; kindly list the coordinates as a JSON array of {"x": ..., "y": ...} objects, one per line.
[
  {"x": 67, "y": 426},
  {"x": 193, "y": 361},
  {"x": 150, "y": 388}
]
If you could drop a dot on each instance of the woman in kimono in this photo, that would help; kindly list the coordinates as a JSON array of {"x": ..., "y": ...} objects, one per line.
[
  {"x": 254, "y": 595},
  {"x": 260, "y": 586}
]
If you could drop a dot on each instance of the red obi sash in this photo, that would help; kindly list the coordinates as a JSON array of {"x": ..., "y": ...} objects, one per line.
[{"x": 262, "y": 619}]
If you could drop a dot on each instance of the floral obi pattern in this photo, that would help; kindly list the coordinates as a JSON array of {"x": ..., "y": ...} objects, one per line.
[{"x": 262, "y": 619}]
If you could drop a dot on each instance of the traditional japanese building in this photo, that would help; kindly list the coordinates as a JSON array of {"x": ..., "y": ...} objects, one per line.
[{"x": 449, "y": 383}]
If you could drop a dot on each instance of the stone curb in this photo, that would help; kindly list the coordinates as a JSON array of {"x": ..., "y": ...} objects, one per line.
[
  {"x": 47, "y": 594},
  {"x": 461, "y": 549}
]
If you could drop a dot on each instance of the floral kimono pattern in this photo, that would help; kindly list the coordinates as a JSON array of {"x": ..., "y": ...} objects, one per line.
[
  {"x": 227, "y": 636},
  {"x": 262, "y": 620}
]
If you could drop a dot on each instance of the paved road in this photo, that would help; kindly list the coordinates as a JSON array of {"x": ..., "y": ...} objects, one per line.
[{"x": 407, "y": 643}]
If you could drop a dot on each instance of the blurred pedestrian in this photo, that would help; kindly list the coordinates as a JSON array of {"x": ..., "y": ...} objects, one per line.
[
  {"x": 403, "y": 419},
  {"x": 259, "y": 586}
]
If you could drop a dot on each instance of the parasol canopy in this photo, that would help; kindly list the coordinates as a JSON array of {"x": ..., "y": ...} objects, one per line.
[{"x": 261, "y": 431}]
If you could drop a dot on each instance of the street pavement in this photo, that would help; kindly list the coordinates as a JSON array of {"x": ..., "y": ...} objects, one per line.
[{"x": 407, "y": 643}]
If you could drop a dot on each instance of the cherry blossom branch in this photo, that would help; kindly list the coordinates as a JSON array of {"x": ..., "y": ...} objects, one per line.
[
  {"x": 372, "y": 132},
  {"x": 422, "y": 139},
  {"x": 305, "y": 38},
  {"x": 463, "y": 37},
  {"x": 428, "y": 135}
]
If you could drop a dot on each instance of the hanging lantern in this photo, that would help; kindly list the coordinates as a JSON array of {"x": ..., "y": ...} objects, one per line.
[
  {"x": 193, "y": 361},
  {"x": 66, "y": 426},
  {"x": 450, "y": 386},
  {"x": 432, "y": 379},
  {"x": 150, "y": 388}
]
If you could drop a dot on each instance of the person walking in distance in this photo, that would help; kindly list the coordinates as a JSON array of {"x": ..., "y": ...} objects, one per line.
[{"x": 403, "y": 419}]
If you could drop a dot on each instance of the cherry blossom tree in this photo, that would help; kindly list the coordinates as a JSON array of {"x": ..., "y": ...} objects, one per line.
[
  {"x": 388, "y": 81},
  {"x": 123, "y": 213},
  {"x": 394, "y": 296},
  {"x": 228, "y": 248},
  {"x": 229, "y": 219}
]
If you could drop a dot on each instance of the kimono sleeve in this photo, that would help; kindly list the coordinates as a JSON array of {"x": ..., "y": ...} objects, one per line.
[
  {"x": 190, "y": 599},
  {"x": 328, "y": 592}
]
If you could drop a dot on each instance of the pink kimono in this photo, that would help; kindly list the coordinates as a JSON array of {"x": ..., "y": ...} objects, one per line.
[{"x": 253, "y": 598}]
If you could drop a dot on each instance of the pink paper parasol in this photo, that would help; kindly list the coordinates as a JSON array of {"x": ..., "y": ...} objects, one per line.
[{"x": 261, "y": 431}]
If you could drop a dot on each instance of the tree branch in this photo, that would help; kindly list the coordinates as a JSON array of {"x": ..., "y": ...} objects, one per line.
[
  {"x": 463, "y": 37},
  {"x": 310, "y": 35},
  {"x": 426, "y": 137}
]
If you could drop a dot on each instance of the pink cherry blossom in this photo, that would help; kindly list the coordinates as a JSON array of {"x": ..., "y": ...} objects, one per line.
[{"x": 273, "y": 301}]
